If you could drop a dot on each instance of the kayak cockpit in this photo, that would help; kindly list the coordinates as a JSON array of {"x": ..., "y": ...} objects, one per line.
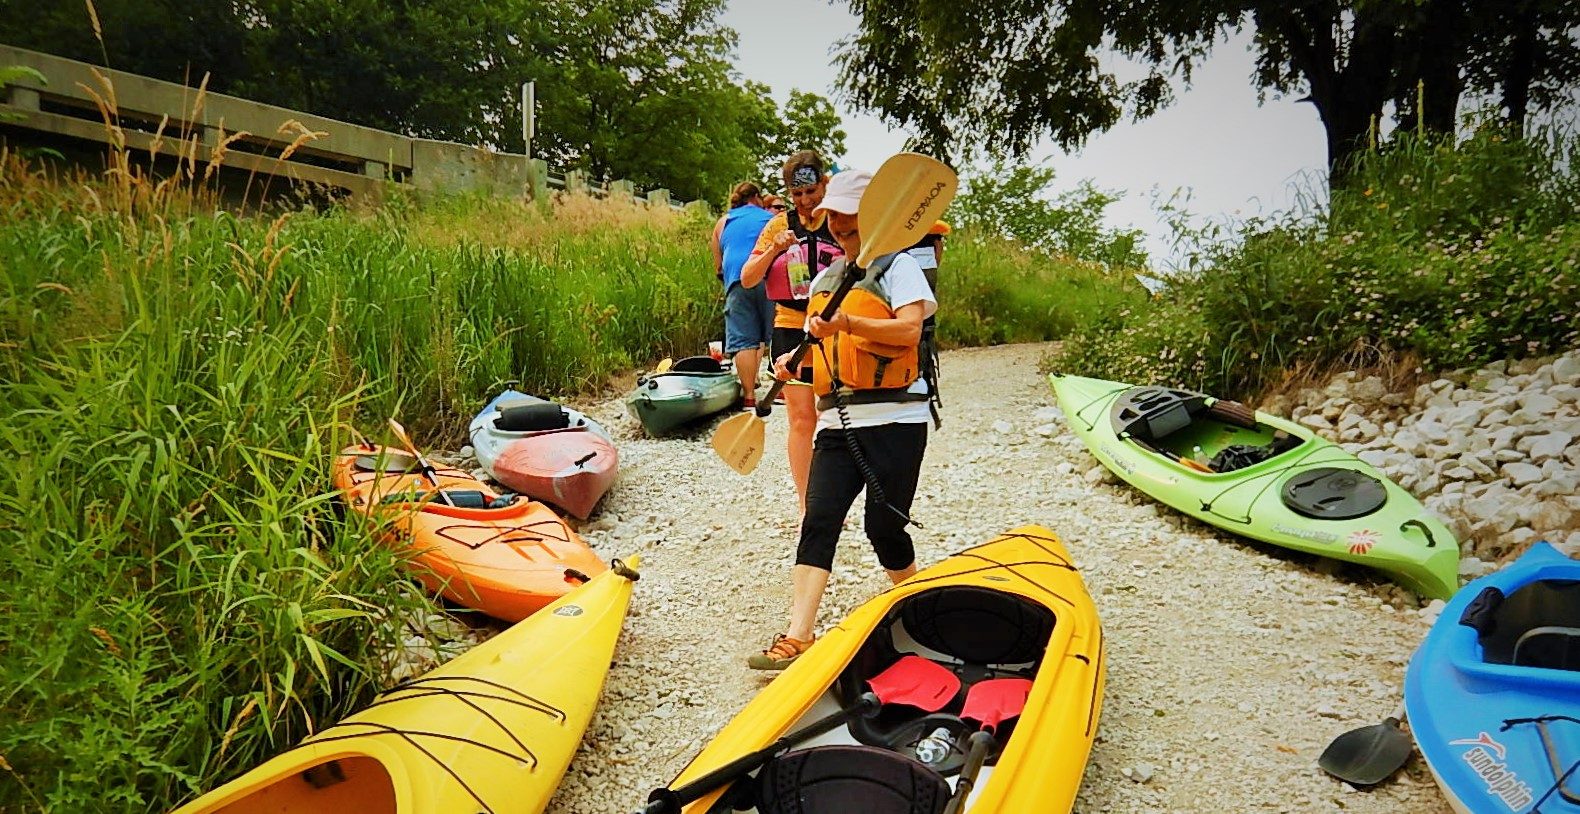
[
  {"x": 1538, "y": 625},
  {"x": 904, "y": 759},
  {"x": 1195, "y": 431},
  {"x": 337, "y": 784}
]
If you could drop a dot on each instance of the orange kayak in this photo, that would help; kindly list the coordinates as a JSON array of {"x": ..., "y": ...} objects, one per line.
[{"x": 504, "y": 555}]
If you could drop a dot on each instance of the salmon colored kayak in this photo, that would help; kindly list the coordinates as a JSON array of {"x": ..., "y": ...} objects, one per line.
[
  {"x": 504, "y": 555},
  {"x": 546, "y": 451},
  {"x": 492, "y": 731},
  {"x": 570, "y": 468}
]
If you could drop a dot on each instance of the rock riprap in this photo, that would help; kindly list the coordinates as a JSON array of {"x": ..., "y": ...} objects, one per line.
[{"x": 1494, "y": 452}]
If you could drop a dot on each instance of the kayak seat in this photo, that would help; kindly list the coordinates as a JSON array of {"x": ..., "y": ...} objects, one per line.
[
  {"x": 1152, "y": 413},
  {"x": 976, "y": 632},
  {"x": 697, "y": 364},
  {"x": 532, "y": 417},
  {"x": 1537, "y": 625},
  {"x": 1555, "y": 647},
  {"x": 390, "y": 461},
  {"x": 841, "y": 778}
]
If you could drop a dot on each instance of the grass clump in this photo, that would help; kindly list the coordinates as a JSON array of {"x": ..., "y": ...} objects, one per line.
[{"x": 1456, "y": 254}]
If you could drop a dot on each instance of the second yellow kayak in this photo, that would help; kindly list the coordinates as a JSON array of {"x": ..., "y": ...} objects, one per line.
[
  {"x": 491, "y": 731},
  {"x": 1011, "y": 611}
]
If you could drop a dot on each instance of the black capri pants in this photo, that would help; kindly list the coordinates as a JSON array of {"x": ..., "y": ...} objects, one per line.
[{"x": 894, "y": 451}]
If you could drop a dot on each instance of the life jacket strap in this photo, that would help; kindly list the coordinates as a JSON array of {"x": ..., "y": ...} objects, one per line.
[{"x": 879, "y": 395}]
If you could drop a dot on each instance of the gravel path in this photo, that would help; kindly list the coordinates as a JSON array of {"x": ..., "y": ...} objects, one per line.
[{"x": 1231, "y": 665}]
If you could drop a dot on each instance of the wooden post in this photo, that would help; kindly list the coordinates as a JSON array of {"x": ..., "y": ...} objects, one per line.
[
  {"x": 658, "y": 196},
  {"x": 623, "y": 190},
  {"x": 575, "y": 181},
  {"x": 373, "y": 169}
]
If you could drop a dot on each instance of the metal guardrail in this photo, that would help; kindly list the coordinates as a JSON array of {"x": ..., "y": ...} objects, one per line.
[{"x": 85, "y": 102}]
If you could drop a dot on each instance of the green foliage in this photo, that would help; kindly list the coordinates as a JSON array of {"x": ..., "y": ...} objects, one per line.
[
  {"x": 1003, "y": 75},
  {"x": 811, "y": 123},
  {"x": 1013, "y": 202},
  {"x": 992, "y": 291},
  {"x": 1456, "y": 254},
  {"x": 10, "y": 74},
  {"x": 636, "y": 89}
]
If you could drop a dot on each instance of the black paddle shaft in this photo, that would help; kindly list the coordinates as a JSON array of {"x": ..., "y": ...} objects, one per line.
[
  {"x": 853, "y": 275},
  {"x": 670, "y": 801}
]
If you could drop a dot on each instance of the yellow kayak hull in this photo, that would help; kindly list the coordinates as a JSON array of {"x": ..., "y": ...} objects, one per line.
[
  {"x": 493, "y": 730},
  {"x": 1041, "y": 766}
]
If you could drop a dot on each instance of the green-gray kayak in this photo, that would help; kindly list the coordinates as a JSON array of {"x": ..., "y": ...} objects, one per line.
[
  {"x": 694, "y": 387},
  {"x": 1260, "y": 476}
]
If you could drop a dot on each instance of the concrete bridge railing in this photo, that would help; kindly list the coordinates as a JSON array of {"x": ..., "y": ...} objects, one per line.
[{"x": 175, "y": 119}]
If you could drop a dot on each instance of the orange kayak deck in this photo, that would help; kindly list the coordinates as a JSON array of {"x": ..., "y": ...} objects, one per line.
[{"x": 507, "y": 562}]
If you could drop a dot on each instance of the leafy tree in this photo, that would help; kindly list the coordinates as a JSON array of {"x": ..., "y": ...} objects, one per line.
[
  {"x": 1013, "y": 202},
  {"x": 810, "y": 122},
  {"x": 1005, "y": 73}
]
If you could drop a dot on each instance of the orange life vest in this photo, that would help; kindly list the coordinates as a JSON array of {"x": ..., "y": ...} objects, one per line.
[{"x": 852, "y": 364}]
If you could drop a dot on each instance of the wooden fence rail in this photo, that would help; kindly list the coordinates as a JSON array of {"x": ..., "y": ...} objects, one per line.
[{"x": 152, "y": 115}]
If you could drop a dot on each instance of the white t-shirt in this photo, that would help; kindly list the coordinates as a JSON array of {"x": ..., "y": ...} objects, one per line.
[{"x": 903, "y": 284}]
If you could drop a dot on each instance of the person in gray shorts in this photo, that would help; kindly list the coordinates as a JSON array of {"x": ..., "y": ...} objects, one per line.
[{"x": 748, "y": 315}]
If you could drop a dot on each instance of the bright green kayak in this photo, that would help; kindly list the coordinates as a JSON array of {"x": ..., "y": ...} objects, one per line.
[
  {"x": 1261, "y": 477},
  {"x": 694, "y": 387}
]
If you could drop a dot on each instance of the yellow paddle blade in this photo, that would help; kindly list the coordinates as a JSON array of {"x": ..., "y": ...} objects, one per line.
[
  {"x": 664, "y": 365},
  {"x": 905, "y": 197},
  {"x": 739, "y": 441}
]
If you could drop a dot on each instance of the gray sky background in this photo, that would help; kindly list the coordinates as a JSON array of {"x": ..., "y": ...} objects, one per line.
[{"x": 1236, "y": 158}]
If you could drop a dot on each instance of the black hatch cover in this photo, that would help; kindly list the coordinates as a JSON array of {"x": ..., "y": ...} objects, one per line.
[{"x": 1330, "y": 493}]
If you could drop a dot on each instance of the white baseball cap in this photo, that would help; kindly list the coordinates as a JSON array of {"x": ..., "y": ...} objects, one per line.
[{"x": 844, "y": 192}]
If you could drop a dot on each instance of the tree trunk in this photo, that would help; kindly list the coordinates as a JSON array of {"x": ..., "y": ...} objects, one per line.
[
  {"x": 1520, "y": 67},
  {"x": 1441, "y": 50}
]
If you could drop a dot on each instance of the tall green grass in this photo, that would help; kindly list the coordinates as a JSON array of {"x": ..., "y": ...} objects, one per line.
[{"x": 1453, "y": 254}]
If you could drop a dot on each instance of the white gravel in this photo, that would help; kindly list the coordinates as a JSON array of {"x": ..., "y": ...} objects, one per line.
[{"x": 1231, "y": 665}]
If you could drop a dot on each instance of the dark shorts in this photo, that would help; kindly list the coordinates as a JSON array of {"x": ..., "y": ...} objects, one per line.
[
  {"x": 894, "y": 453},
  {"x": 785, "y": 341},
  {"x": 748, "y": 318}
]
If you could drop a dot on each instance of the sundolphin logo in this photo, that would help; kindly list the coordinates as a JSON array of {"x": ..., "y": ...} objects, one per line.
[
  {"x": 926, "y": 204},
  {"x": 1482, "y": 739},
  {"x": 1501, "y": 781}
]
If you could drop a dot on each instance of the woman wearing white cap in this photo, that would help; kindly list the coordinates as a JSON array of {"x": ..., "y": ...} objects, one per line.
[{"x": 873, "y": 413}]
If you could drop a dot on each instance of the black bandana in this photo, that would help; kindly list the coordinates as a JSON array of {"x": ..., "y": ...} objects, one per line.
[{"x": 803, "y": 177}]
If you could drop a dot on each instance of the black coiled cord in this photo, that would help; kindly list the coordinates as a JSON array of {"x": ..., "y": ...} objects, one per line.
[{"x": 874, "y": 488}]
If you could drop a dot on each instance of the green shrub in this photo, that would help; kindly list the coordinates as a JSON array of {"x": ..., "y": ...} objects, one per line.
[{"x": 1459, "y": 254}]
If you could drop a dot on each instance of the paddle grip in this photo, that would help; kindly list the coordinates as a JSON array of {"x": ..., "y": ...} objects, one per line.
[
  {"x": 981, "y": 741},
  {"x": 670, "y": 801},
  {"x": 853, "y": 275}
]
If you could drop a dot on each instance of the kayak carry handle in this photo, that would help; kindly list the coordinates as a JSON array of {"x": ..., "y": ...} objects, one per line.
[{"x": 1431, "y": 542}]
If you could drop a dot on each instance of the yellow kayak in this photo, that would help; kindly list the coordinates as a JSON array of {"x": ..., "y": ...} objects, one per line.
[
  {"x": 1013, "y": 611},
  {"x": 491, "y": 731}
]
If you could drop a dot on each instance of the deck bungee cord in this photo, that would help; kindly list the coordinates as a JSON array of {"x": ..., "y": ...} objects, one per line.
[
  {"x": 1561, "y": 774},
  {"x": 421, "y": 688}
]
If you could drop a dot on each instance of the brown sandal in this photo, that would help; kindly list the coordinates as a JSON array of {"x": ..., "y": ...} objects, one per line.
[{"x": 780, "y": 654}]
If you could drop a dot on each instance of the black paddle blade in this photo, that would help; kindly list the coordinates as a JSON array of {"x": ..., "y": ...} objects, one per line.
[{"x": 1367, "y": 756}]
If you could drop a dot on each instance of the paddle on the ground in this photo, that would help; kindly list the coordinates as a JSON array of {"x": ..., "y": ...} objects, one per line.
[
  {"x": 1368, "y": 755},
  {"x": 904, "y": 198},
  {"x": 989, "y": 703},
  {"x": 913, "y": 680},
  {"x": 427, "y": 468},
  {"x": 664, "y": 365}
]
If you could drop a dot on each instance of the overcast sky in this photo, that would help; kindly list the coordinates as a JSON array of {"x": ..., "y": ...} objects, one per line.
[{"x": 1236, "y": 158}]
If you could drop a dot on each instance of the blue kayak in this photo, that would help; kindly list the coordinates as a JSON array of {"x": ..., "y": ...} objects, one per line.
[{"x": 1493, "y": 693}]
